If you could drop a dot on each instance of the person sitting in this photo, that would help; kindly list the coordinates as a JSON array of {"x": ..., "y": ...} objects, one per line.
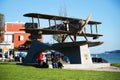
[
  {"x": 45, "y": 65},
  {"x": 60, "y": 65}
]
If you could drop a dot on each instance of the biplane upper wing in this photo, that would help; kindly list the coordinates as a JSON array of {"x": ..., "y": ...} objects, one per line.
[{"x": 53, "y": 17}]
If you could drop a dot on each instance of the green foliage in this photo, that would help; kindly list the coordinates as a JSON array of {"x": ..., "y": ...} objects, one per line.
[
  {"x": 13, "y": 71},
  {"x": 1, "y": 21},
  {"x": 2, "y": 27}
]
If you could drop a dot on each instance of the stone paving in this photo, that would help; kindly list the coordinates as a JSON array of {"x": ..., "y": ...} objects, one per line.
[{"x": 96, "y": 67}]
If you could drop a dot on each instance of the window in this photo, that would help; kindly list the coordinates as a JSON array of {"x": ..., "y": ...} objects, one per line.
[{"x": 21, "y": 38}]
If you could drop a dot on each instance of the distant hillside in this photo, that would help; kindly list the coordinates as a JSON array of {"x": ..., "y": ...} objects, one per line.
[{"x": 114, "y": 51}]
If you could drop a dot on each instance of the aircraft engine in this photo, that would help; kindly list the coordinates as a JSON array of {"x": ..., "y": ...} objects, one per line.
[{"x": 82, "y": 23}]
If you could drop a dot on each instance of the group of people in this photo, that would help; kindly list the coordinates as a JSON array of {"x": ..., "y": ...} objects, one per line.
[{"x": 55, "y": 60}]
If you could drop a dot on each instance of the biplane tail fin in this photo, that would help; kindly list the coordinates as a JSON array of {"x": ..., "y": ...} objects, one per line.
[{"x": 83, "y": 23}]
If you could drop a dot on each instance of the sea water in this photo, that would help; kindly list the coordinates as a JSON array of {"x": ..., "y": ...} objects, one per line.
[{"x": 110, "y": 57}]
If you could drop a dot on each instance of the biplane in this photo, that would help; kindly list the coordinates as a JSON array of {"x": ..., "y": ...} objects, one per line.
[{"x": 69, "y": 27}]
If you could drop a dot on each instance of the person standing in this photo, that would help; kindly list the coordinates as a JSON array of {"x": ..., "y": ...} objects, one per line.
[
  {"x": 20, "y": 56},
  {"x": 40, "y": 58},
  {"x": 54, "y": 59}
]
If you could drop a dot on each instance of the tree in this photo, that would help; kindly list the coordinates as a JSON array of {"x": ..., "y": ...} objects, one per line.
[{"x": 2, "y": 27}]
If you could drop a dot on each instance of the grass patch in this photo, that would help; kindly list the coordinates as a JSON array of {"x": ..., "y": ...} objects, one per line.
[
  {"x": 12, "y": 71},
  {"x": 115, "y": 64}
]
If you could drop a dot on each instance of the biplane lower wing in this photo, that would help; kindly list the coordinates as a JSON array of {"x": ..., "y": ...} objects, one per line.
[
  {"x": 52, "y": 32},
  {"x": 79, "y": 43}
]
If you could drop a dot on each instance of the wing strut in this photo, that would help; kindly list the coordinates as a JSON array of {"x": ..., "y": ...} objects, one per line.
[{"x": 84, "y": 36}]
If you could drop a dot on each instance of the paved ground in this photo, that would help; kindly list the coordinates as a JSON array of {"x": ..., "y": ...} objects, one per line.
[
  {"x": 97, "y": 67},
  {"x": 111, "y": 68}
]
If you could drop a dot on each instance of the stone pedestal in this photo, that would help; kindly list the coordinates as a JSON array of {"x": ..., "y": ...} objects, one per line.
[{"x": 78, "y": 54}]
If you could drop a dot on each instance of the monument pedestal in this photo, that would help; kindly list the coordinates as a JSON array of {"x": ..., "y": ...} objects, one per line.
[{"x": 78, "y": 54}]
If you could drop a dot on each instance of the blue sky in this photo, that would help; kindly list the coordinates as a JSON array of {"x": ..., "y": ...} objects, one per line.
[{"x": 105, "y": 11}]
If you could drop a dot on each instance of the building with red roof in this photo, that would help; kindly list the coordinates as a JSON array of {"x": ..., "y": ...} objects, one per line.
[{"x": 13, "y": 36}]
